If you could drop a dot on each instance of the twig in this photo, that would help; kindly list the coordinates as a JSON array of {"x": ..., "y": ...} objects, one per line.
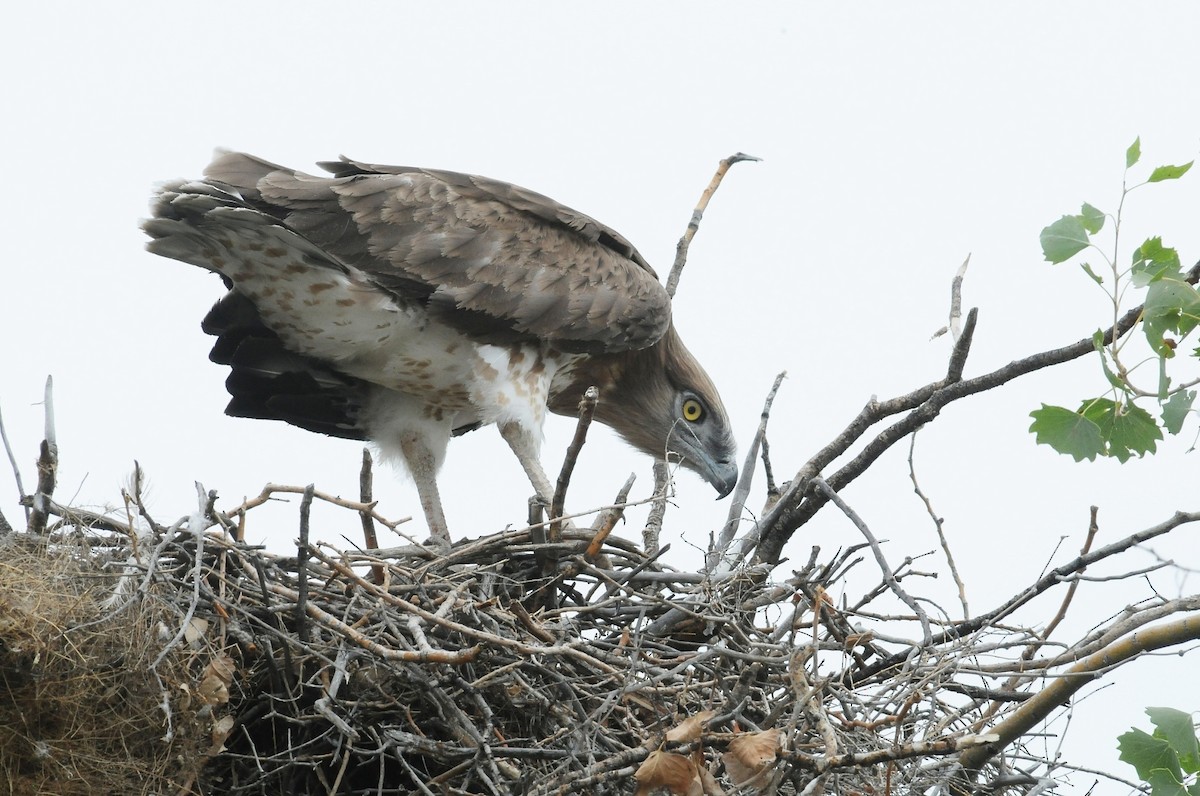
[
  {"x": 1059, "y": 690},
  {"x": 12, "y": 460},
  {"x": 587, "y": 409},
  {"x": 331, "y": 622},
  {"x": 937, "y": 524},
  {"x": 716, "y": 557},
  {"x": 681, "y": 249},
  {"x": 608, "y": 519},
  {"x": 270, "y": 490},
  {"x": 196, "y": 524},
  {"x": 1050, "y": 579},
  {"x": 302, "y": 550},
  {"x": 370, "y": 540},
  {"x": 658, "y": 507},
  {"x": 1093, "y": 529},
  {"x": 889, "y": 576}
]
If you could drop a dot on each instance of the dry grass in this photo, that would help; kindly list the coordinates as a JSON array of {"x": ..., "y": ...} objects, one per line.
[{"x": 80, "y": 711}]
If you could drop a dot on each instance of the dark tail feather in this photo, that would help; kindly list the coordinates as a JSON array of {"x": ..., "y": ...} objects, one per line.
[{"x": 270, "y": 382}]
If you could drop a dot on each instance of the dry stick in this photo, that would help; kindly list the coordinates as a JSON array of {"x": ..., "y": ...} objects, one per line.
[
  {"x": 681, "y": 249},
  {"x": 587, "y": 409},
  {"x": 796, "y": 507},
  {"x": 609, "y": 518},
  {"x": 1030, "y": 650},
  {"x": 568, "y": 650},
  {"x": 1093, "y": 529},
  {"x": 1061, "y": 689},
  {"x": 937, "y": 524},
  {"x": 47, "y": 467},
  {"x": 889, "y": 576},
  {"x": 658, "y": 509},
  {"x": 662, "y": 469},
  {"x": 1047, "y": 581},
  {"x": 197, "y": 523},
  {"x": 715, "y": 561},
  {"x": 12, "y": 460},
  {"x": 302, "y": 553},
  {"x": 271, "y": 489},
  {"x": 368, "y": 523},
  {"x": 1137, "y": 618},
  {"x": 331, "y": 622}
]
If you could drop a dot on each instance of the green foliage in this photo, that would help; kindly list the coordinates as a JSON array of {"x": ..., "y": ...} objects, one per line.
[
  {"x": 1117, "y": 424},
  {"x": 1065, "y": 238},
  {"x": 1169, "y": 759}
]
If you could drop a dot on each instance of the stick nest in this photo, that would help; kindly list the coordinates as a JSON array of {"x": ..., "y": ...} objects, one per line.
[{"x": 184, "y": 660}]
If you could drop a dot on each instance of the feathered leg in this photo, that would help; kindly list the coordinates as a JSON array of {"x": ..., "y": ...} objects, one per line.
[
  {"x": 525, "y": 445},
  {"x": 423, "y": 466}
]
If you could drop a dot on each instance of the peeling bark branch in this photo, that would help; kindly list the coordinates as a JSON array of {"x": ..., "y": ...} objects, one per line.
[{"x": 1061, "y": 689}]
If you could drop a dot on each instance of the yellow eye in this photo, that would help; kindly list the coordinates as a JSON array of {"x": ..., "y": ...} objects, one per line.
[{"x": 692, "y": 410}]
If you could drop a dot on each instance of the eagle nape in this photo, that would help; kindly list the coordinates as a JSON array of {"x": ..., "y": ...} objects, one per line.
[{"x": 399, "y": 305}]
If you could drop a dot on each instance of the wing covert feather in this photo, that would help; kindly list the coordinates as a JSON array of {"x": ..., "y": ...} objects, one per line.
[{"x": 493, "y": 259}]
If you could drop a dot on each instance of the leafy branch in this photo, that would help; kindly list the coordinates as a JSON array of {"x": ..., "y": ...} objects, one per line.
[{"x": 1113, "y": 423}]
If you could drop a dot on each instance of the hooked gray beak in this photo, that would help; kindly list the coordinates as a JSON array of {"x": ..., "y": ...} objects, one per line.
[{"x": 722, "y": 475}]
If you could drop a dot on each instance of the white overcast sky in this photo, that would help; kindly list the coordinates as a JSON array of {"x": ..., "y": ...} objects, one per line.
[{"x": 897, "y": 138}]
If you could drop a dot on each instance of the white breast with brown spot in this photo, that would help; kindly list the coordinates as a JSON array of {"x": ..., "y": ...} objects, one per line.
[{"x": 432, "y": 378}]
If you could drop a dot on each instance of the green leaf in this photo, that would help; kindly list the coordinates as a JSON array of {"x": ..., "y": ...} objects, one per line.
[
  {"x": 1152, "y": 261},
  {"x": 1063, "y": 239},
  {"x": 1176, "y": 408},
  {"x": 1177, "y": 729},
  {"x": 1170, "y": 172},
  {"x": 1126, "y": 429},
  {"x": 1087, "y": 269},
  {"x": 1172, "y": 305},
  {"x": 1165, "y": 783},
  {"x": 1067, "y": 432},
  {"x": 1134, "y": 153},
  {"x": 1147, "y": 753},
  {"x": 1113, "y": 379},
  {"x": 1091, "y": 218}
]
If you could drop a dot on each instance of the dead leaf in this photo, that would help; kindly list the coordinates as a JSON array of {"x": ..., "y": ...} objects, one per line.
[
  {"x": 223, "y": 667},
  {"x": 222, "y": 727},
  {"x": 665, "y": 770},
  {"x": 750, "y": 758},
  {"x": 195, "y": 630},
  {"x": 212, "y": 691},
  {"x": 214, "y": 685},
  {"x": 690, "y": 728},
  {"x": 707, "y": 783}
]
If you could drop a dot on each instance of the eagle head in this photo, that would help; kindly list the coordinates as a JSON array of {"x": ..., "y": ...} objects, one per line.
[{"x": 662, "y": 402}]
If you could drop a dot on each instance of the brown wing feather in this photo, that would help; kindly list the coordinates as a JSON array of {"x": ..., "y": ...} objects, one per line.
[{"x": 492, "y": 259}]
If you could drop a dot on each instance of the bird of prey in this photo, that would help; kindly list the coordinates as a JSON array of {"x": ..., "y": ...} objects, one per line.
[{"x": 405, "y": 305}]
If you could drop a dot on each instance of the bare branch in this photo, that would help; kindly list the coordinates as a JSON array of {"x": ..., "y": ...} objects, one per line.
[
  {"x": 302, "y": 549},
  {"x": 889, "y": 575},
  {"x": 937, "y": 524},
  {"x": 365, "y": 492},
  {"x": 12, "y": 460},
  {"x": 742, "y": 490},
  {"x": 1059, "y": 690},
  {"x": 658, "y": 508},
  {"x": 587, "y": 409},
  {"x": 681, "y": 249}
]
